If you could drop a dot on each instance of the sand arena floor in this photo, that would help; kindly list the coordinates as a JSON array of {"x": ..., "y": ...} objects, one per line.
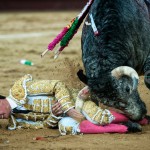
[{"x": 25, "y": 36}]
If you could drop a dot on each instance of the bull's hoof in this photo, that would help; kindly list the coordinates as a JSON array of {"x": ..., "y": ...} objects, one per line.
[
  {"x": 148, "y": 118},
  {"x": 133, "y": 126}
]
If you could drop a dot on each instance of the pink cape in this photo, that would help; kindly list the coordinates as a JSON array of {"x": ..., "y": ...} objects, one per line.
[
  {"x": 87, "y": 127},
  {"x": 120, "y": 118}
]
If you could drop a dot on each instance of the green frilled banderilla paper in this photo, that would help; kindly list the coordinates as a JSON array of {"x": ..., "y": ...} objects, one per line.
[{"x": 73, "y": 29}]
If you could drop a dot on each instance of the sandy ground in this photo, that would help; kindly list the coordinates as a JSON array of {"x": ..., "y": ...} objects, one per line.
[{"x": 25, "y": 36}]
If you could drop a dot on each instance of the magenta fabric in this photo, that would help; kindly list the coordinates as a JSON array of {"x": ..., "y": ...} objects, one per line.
[
  {"x": 143, "y": 122},
  {"x": 87, "y": 127},
  {"x": 119, "y": 117},
  {"x": 58, "y": 38}
]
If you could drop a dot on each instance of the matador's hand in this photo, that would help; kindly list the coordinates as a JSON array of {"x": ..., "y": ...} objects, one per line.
[
  {"x": 73, "y": 113},
  {"x": 57, "y": 109}
]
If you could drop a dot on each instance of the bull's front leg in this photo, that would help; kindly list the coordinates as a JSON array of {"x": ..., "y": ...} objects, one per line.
[{"x": 146, "y": 70}]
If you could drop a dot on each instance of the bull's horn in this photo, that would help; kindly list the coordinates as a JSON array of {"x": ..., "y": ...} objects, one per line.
[{"x": 128, "y": 71}]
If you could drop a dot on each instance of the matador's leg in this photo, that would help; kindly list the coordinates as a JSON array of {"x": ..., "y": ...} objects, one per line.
[{"x": 70, "y": 126}]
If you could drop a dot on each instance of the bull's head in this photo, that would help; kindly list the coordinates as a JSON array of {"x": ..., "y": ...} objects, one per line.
[{"x": 118, "y": 89}]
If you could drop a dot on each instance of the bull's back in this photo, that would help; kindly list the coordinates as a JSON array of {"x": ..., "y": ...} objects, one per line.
[{"x": 124, "y": 38}]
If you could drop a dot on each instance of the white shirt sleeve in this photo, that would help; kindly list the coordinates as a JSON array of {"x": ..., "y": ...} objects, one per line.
[{"x": 11, "y": 102}]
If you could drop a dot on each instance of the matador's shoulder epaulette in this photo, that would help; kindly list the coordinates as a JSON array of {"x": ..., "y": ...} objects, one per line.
[{"x": 19, "y": 92}]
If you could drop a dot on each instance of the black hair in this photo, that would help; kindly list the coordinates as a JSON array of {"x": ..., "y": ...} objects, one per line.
[
  {"x": 2, "y": 97},
  {"x": 15, "y": 110}
]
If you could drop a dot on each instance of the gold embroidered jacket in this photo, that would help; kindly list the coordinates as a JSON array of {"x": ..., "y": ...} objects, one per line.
[{"x": 39, "y": 96}]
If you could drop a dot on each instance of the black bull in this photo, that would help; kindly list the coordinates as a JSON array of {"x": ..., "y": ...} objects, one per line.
[{"x": 113, "y": 59}]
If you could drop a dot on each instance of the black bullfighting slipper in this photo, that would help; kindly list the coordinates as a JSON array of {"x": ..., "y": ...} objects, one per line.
[{"x": 2, "y": 97}]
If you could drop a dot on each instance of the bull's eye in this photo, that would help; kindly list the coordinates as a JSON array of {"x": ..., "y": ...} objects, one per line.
[{"x": 127, "y": 89}]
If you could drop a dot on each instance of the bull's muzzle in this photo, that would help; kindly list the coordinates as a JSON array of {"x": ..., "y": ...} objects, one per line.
[{"x": 135, "y": 110}]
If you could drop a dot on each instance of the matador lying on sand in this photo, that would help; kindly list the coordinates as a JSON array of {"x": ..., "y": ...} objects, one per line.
[{"x": 48, "y": 103}]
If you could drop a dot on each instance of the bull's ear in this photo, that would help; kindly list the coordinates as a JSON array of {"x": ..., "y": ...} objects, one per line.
[{"x": 82, "y": 76}]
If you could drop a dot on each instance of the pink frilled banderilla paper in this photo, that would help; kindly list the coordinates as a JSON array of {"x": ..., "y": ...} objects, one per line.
[{"x": 59, "y": 37}]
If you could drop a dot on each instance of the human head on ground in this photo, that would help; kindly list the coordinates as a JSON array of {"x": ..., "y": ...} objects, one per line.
[{"x": 5, "y": 108}]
